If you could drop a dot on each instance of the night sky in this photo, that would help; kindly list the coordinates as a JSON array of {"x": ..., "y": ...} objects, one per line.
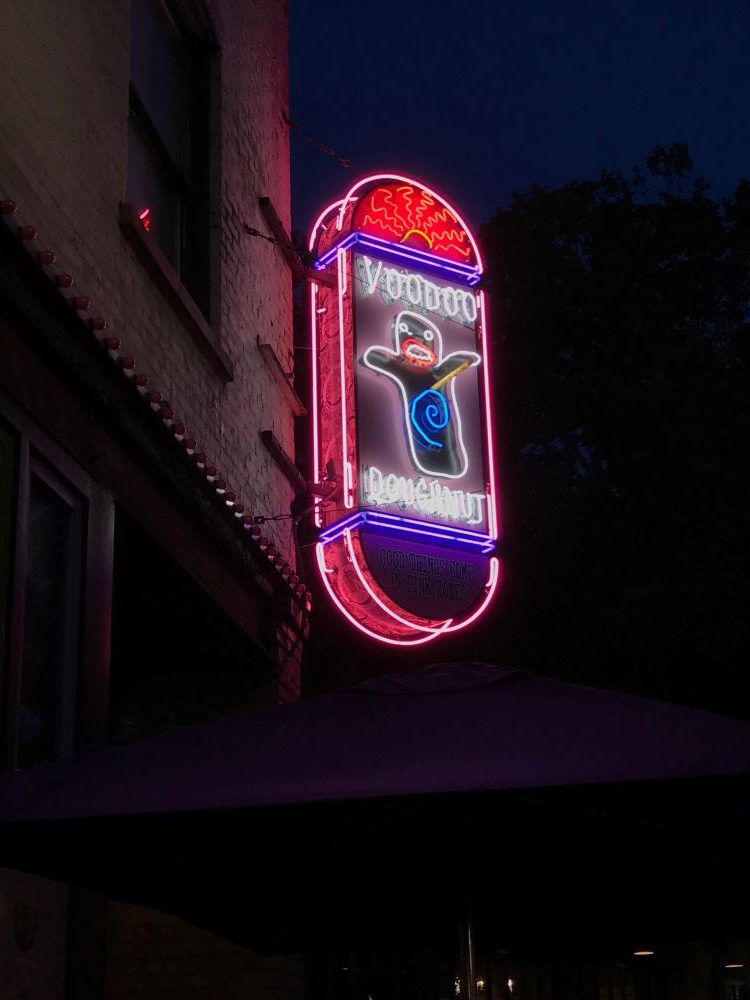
[{"x": 485, "y": 97}]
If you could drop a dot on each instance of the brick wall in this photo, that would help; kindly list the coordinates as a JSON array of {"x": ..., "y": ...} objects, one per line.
[
  {"x": 64, "y": 75},
  {"x": 64, "y": 79}
]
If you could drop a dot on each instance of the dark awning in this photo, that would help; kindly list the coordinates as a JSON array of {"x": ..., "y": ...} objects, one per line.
[
  {"x": 452, "y": 728},
  {"x": 384, "y": 801}
]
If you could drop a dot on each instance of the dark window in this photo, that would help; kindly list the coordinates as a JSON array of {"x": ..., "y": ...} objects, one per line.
[
  {"x": 177, "y": 657},
  {"x": 51, "y": 621},
  {"x": 55, "y": 594},
  {"x": 8, "y": 487},
  {"x": 168, "y": 144}
]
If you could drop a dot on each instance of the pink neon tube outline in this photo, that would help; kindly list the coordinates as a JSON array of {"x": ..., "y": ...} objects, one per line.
[
  {"x": 434, "y": 630},
  {"x": 325, "y": 572},
  {"x": 316, "y": 430},
  {"x": 494, "y": 573},
  {"x": 482, "y": 311},
  {"x": 449, "y": 625},
  {"x": 334, "y": 205},
  {"x": 492, "y": 581},
  {"x": 345, "y": 470},
  {"x": 491, "y": 585},
  {"x": 418, "y": 184}
]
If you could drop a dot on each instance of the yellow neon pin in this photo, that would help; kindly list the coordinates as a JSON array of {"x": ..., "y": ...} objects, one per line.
[{"x": 446, "y": 378}]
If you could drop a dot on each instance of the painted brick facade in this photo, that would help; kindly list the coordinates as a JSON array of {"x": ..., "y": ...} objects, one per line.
[
  {"x": 64, "y": 77},
  {"x": 64, "y": 74}
]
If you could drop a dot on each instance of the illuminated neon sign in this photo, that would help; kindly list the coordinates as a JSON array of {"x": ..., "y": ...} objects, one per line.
[{"x": 401, "y": 407}]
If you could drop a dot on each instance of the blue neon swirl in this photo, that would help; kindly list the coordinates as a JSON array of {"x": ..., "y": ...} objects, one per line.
[{"x": 429, "y": 413}]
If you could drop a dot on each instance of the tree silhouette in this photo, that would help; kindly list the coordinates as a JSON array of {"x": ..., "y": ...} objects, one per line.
[{"x": 621, "y": 324}]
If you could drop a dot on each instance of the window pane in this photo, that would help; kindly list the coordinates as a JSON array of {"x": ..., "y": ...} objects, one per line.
[
  {"x": 8, "y": 467},
  {"x": 51, "y": 621},
  {"x": 172, "y": 76},
  {"x": 159, "y": 73},
  {"x": 153, "y": 194}
]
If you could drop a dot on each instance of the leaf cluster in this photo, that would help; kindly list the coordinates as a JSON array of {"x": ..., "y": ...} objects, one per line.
[{"x": 621, "y": 314}]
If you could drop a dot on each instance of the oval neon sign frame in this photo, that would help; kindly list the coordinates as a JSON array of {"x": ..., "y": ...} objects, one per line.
[{"x": 416, "y": 559}]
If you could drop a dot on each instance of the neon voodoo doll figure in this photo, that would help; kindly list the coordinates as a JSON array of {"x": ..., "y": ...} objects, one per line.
[{"x": 427, "y": 382}]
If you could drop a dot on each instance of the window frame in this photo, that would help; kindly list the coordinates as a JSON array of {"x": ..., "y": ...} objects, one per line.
[
  {"x": 83, "y": 698},
  {"x": 32, "y": 465},
  {"x": 198, "y": 189}
]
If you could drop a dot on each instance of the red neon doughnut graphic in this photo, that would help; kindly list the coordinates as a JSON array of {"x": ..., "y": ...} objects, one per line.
[{"x": 407, "y": 214}]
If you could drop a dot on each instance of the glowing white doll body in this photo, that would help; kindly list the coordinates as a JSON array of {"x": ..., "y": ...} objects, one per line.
[{"x": 427, "y": 385}]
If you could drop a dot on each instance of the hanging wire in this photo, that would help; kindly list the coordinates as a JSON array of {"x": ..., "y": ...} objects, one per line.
[
  {"x": 262, "y": 518},
  {"x": 252, "y": 231},
  {"x": 318, "y": 142}
]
